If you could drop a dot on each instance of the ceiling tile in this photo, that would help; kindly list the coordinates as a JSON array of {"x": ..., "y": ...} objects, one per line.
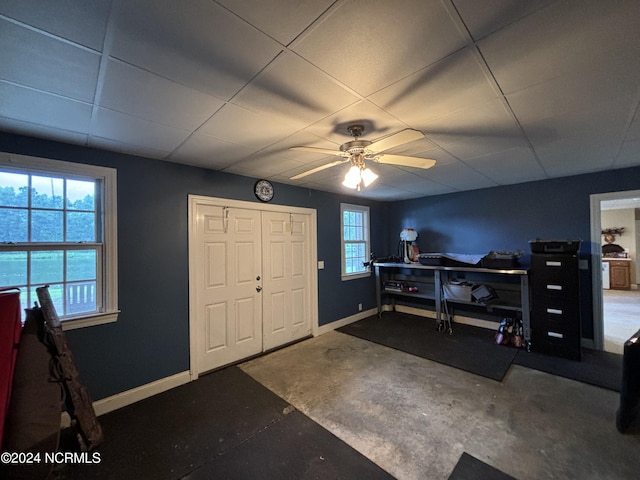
[
  {"x": 376, "y": 122},
  {"x": 205, "y": 151},
  {"x": 629, "y": 155},
  {"x": 369, "y": 44},
  {"x": 516, "y": 165},
  {"x": 39, "y": 108},
  {"x": 575, "y": 155},
  {"x": 476, "y": 131},
  {"x": 39, "y": 61},
  {"x": 117, "y": 146},
  {"x": 292, "y": 87},
  {"x": 567, "y": 39},
  {"x": 197, "y": 43},
  {"x": 488, "y": 16},
  {"x": 81, "y": 22},
  {"x": 49, "y": 133},
  {"x": 137, "y": 131},
  {"x": 454, "y": 83},
  {"x": 267, "y": 165},
  {"x": 283, "y": 20},
  {"x": 246, "y": 127},
  {"x": 137, "y": 92},
  {"x": 458, "y": 176}
]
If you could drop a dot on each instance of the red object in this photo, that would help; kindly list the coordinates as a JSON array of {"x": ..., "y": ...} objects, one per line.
[{"x": 10, "y": 331}]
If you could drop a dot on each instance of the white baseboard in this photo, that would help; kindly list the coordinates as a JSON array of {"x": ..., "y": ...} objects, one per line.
[
  {"x": 476, "y": 322},
  {"x": 322, "y": 329},
  {"x": 119, "y": 400},
  {"x": 128, "y": 397}
]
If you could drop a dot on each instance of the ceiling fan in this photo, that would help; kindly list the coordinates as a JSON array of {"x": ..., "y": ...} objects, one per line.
[{"x": 357, "y": 151}]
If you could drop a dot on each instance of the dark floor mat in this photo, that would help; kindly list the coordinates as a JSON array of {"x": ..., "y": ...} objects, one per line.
[
  {"x": 170, "y": 435},
  {"x": 469, "y": 348},
  {"x": 294, "y": 447},
  {"x": 470, "y": 468},
  {"x": 602, "y": 369}
]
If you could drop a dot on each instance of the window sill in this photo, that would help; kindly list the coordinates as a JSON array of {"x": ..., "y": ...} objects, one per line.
[
  {"x": 90, "y": 320},
  {"x": 356, "y": 276}
]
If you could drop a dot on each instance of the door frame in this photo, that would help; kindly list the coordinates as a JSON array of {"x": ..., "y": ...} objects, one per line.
[
  {"x": 596, "y": 259},
  {"x": 194, "y": 259}
]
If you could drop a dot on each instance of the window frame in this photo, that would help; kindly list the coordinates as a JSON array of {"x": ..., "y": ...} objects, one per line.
[
  {"x": 367, "y": 240},
  {"x": 107, "y": 270}
]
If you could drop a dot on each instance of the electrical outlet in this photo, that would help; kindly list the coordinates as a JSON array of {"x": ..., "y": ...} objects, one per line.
[{"x": 359, "y": 307}]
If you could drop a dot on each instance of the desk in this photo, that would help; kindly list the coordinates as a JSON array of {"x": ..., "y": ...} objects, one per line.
[{"x": 431, "y": 278}]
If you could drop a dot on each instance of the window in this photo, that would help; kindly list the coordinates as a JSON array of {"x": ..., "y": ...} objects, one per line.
[
  {"x": 355, "y": 240},
  {"x": 58, "y": 228}
]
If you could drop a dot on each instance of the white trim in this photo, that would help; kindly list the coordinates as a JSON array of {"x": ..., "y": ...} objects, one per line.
[
  {"x": 129, "y": 397},
  {"x": 367, "y": 231},
  {"x": 596, "y": 260},
  {"x": 194, "y": 201},
  {"x": 476, "y": 322},
  {"x": 343, "y": 322},
  {"x": 109, "y": 178}
]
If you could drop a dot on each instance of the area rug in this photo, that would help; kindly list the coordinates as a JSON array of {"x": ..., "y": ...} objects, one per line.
[
  {"x": 602, "y": 369},
  {"x": 223, "y": 425},
  {"x": 470, "y": 468},
  {"x": 469, "y": 348}
]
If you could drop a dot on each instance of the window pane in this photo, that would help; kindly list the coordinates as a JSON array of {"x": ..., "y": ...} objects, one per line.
[
  {"x": 47, "y": 267},
  {"x": 13, "y": 225},
  {"x": 81, "y": 297},
  {"x": 46, "y": 226},
  {"x": 46, "y": 192},
  {"x": 13, "y": 189},
  {"x": 81, "y": 265},
  {"x": 81, "y": 227},
  {"x": 57, "y": 297},
  {"x": 80, "y": 195},
  {"x": 13, "y": 269}
]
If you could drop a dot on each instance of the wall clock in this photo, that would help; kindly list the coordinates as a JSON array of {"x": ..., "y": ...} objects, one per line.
[{"x": 263, "y": 190}]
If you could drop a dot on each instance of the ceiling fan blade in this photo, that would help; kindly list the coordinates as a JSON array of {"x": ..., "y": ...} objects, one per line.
[
  {"x": 318, "y": 150},
  {"x": 403, "y": 160},
  {"x": 400, "y": 138},
  {"x": 318, "y": 169}
]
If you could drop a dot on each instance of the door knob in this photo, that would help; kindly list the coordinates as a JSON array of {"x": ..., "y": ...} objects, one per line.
[
  {"x": 258, "y": 278},
  {"x": 258, "y": 288}
]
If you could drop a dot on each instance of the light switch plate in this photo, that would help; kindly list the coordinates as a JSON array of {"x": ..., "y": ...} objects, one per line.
[{"x": 320, "y": 264}]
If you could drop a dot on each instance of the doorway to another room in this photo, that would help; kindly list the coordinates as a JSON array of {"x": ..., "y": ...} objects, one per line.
[{"x": 615, "y": 236}]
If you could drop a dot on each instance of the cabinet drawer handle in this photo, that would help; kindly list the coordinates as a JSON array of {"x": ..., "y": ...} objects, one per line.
[
  {"x": 555, "y": 334},
  {"x": 554, "y": 287},
  {"x": 555, "y": 311},
  {"x": 553, "y": 263}
]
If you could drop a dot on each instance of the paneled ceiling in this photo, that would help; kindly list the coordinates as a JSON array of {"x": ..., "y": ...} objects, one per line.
[{"x": 505, "y": 91}]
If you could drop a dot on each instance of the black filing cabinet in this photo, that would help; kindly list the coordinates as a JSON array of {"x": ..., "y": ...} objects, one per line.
[{"x": 555, "y": 304}]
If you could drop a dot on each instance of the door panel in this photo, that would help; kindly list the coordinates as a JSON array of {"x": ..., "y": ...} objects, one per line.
[
  {"x": 229, "y": 317},
  {"x": 286, "y": 268}
]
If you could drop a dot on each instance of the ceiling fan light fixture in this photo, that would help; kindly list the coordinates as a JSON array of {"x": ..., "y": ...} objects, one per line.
[
  {"x": 352, "y": 178},
  {"x": 357, "y": 177},
  {"x": 368, "y": 177}
]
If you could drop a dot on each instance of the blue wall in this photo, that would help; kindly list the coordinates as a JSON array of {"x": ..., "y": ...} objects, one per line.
[
  {"x": 151, "y": 338},
  {"x": 507, "y": 217}
]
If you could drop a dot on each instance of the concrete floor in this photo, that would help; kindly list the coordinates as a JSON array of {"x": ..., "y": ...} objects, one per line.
[
  {"x": 621, "y": 310},
  {"x": 414, "y": 417}
]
